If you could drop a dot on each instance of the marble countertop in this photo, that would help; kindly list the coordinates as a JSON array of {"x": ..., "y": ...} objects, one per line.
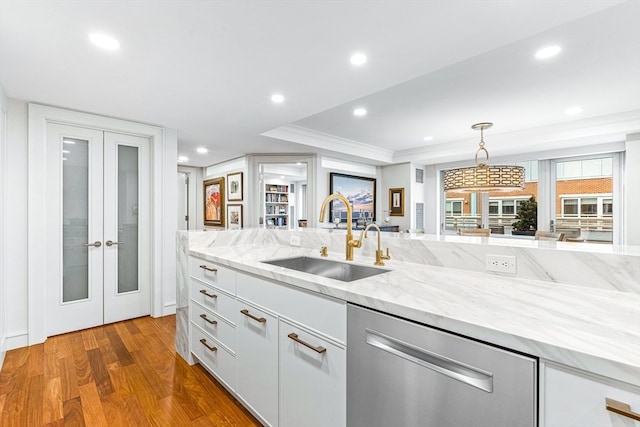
[{"x": 591, "y": 329}]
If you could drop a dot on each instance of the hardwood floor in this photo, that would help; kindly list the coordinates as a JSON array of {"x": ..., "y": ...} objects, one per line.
[{"x": 117, "y": 375}]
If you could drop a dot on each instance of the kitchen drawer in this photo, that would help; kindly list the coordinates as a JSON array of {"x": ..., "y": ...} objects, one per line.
[
  {"x": 213, "y": 274},
  {"x": 306, "y": 373},
  {"x": 319, "y": 312},
  {"x": 214, "y": 325},
  {"x": 214, "y": 299},
  {"x": 215, "y": 357},
  {"x": 573, "y": 398}
]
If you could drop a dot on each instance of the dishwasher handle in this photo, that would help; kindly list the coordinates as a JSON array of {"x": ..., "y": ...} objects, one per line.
[{"x": 452, "y": 368}]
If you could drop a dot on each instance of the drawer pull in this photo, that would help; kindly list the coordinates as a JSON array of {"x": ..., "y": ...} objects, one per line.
[
  {"x": 622, "y": 409},
  {"x": 317, "y": 349},
  {"x": 214, "y": 270},
  {"x": 204, "y": 343},
  {"x": 257, "y": 319},
  {"x": 204, "y": 292},
  {"x": 206, "y": 319}
]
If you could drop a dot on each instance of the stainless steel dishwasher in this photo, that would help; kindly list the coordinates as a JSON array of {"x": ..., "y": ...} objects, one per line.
[{"x": 404, "y": 374}]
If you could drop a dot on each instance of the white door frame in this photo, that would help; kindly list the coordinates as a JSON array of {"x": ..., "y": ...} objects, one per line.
[{"x": 163, "y": 168}]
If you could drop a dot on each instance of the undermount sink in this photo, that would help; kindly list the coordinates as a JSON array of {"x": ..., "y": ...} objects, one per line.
[{"x": 337, "y": 270}]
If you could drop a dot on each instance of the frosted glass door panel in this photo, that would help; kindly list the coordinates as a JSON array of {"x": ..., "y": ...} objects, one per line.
[
  {"x": 127, "y": 218},
  {"x": 75, "y": 217},
  {"x": 127, "y": 227}
]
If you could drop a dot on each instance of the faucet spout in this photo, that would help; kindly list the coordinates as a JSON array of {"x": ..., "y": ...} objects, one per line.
[
  {"x": 350, "y": 243},
  {"x": 379, "y": 254}
]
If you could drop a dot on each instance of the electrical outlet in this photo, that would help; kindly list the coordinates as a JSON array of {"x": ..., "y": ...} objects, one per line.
[
  {"x": 295, "y": 241},
  {"x": 501, "y": 263}
]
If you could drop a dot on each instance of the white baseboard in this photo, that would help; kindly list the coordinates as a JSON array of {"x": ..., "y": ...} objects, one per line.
[
  {"x": 17, "y": 341},
  {"x": 169, "y": 309}
]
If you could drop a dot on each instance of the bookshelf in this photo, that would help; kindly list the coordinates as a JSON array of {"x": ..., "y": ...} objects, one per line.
[{"x": 276, "y": 209}]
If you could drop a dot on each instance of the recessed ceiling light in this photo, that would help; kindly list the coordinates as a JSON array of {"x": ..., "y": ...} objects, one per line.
[
  {"x": 573, "y": 110},
  {"x": 358, "y": 58},
  {"x": 281, "y": 176},
  {"x": 202, "y": 150},
  {"x": 548, "y": 52},
  {"x": 428, "y": 138},
  {"x": 299, "y": 164},
  {"x": 182, "y": 159},
  {"x": 104, "y": 41},
  {"x": 277, "y": 98},
  {"x": 360, "y": 112}
]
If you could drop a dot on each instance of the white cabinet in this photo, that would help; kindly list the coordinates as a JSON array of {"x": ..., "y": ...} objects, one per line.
[
  {"x": 212, "y": 310},
  {"x": 312, "y": 378},
  {"x": 573, "y": 398},
  {"x": 280, "y": 350},
  {"x": 257, "y": 361}
]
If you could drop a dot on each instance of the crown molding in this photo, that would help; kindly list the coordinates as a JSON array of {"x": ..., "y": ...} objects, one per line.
[{"x": 332, "y": 143}]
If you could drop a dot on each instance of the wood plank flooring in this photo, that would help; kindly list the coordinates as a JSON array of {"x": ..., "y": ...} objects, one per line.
[{"x": 117, "y": 375}]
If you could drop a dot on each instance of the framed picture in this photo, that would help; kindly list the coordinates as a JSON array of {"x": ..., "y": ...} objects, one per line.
[
  {"x": 396, "y": 201},
  {"x": 213, "y": 193},
  {"x": 359, "y": 191},
  {"x": 234, "y": 186},
  {"x": 234, "y": 217}
]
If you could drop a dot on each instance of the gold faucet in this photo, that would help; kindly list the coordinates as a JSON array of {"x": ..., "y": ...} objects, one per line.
[
  {"x": 379, "y": 254},
  {"x": 350, "y": 242}
]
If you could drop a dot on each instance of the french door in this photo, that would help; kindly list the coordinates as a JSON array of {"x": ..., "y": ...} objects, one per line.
[{"x": 99, "y": 242}]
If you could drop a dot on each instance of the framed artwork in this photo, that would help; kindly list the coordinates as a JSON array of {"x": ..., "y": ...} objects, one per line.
[
  {"x": 396, "y": 201},
  {"x": 234, "y": 217},
  {"x": 234, "y": 186},
  {"x": 213, "y": 193},
  {"x": 361, "y": 193}
]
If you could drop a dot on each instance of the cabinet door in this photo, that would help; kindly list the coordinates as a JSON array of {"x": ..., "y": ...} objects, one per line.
[
  {"x": 313, "y": 379},
  {"x": 257, "y": 361},
  {"x": 575, "y": 399}
]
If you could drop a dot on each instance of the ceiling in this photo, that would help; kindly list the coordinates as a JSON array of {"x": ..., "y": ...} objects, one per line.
[{"x": 209, "y": 68}]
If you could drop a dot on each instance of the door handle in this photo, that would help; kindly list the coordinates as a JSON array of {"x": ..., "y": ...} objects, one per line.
[
  {"x": 111, "y": 243},
  {"x": 95, "y": 244}
]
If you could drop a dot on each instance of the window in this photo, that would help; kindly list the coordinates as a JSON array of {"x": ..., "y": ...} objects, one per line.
[
  {"x": 589, "y": 206},
  {"x": 454, "y": 207},
  {"x": 508, "y": 207},
  {"x": 494, "y": 207},
  {"x": 569, "y": 207},
  {"x": 584, "y": 195}
]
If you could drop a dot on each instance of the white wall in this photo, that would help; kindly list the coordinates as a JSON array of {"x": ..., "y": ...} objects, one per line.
[
  {"x": 3, "y": 241},
  {"x": 397, "y": 176},
  {"x": 16, "y": 225}
]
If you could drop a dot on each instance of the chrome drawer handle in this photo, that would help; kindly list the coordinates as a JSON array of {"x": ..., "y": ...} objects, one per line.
[
  {"x": 470, "y": 375},
  {"x": 317, "y": 349},
  {"x": 206, "y": 319},
  {"x": 209, "y": 268},
  {"x": 257, "y": 319},
  {"x": 621, "y": 408},
  {"x": 204, "y": 343},
  {"x": 204, "y": 292}
]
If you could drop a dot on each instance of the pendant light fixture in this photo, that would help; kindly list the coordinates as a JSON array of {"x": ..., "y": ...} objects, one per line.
[{"x": 483, "y": 177}]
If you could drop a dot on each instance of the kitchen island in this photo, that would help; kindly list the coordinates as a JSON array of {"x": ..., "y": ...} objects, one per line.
[{"x": 593, "y": 329}]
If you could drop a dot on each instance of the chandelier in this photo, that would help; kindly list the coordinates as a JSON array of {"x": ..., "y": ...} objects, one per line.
[{"x": 483, "y": 177}]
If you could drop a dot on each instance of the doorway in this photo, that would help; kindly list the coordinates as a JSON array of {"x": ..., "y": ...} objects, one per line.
[
  {"x": 283, "y": 195},
  {"x": 99, "y": 244}
]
